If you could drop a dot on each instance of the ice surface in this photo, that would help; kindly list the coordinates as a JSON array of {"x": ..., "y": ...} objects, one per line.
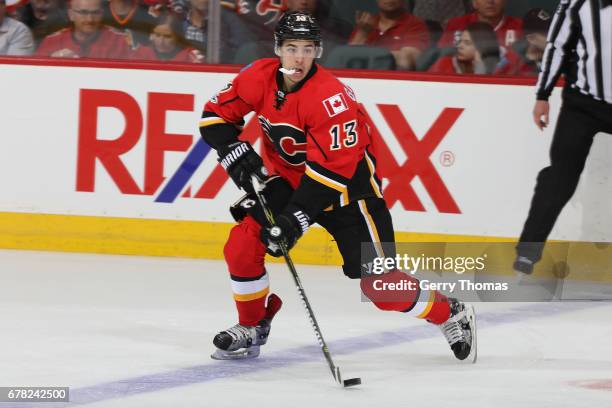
[{"x": 136, "y": 332}]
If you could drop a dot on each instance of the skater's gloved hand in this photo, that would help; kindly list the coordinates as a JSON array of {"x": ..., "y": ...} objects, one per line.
[
  {"x": 289, "y": 227},
  {"x": 241, "y": 162}
]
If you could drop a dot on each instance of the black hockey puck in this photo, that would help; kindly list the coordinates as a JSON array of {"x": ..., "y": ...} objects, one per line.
[{"x": 351, "y": 382}]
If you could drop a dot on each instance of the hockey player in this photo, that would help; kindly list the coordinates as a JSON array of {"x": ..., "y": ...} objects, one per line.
[{"x": 318, "y": 148}]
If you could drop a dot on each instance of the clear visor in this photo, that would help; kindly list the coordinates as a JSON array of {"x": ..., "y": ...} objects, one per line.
[{"x": 299, "y": 51}]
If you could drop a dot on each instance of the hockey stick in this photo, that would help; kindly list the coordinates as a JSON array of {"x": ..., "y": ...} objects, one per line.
[{"x": 258, "y": 187}]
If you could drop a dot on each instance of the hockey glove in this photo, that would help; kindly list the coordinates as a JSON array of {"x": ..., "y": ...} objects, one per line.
[
  {"x": 240, "y": 161},
  {"x": 289, "y": 227}
]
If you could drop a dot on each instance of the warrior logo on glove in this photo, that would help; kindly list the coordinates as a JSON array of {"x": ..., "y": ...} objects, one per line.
[
  {"x": 290, "y": 225},
  {"x": 241, "y": 161}
]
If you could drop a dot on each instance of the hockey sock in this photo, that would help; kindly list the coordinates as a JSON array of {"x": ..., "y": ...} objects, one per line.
[
  {"x": 397, "y": 291},
  {"x": 251, "y": 306},
  {"x": 244, "y": 254}
]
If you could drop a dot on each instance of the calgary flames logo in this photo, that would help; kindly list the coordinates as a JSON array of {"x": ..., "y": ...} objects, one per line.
[
  {"x": 263, "y": 8},
  {"x": 269, "y": 6},
  {"x": 289, "y": 141}
]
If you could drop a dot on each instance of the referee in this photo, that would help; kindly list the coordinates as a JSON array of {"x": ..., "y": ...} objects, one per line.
[{"x": 580, "y": 47}]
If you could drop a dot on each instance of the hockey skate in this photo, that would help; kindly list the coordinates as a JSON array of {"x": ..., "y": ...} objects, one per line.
[
  {"x": 243, "y": 342},
  {"x": 460, "y": 330}
]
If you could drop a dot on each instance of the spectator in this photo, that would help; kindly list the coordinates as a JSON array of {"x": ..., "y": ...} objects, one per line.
[
  {"x": 508, "y": 29},
  {"x": 440, "y": 10},
  {"x": 87, "y": 38},
  {"x": 405, "y": 35},
  {"x": 477, "y": 53},
  {"x": 526, "y": 56},
  {"x": 130, "y": 17},
  {"x": 257, "y": 18},
  {"x": 43, "y": 17},
  {"x": 195, "y": 29},
  {"x": 167, "y": 44},
  {"x": 335, "y": 31},
  {"x": 15, "y": 37}
]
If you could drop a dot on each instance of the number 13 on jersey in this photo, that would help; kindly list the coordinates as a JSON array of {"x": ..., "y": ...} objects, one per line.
[{"x": 347, "y": 132}]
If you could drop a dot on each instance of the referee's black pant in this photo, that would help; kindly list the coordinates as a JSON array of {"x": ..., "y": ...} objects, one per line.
[{"x": 580, "y": 119}]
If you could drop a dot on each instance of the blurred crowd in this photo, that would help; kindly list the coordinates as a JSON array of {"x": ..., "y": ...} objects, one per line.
[{"x": 497, "y": 37}]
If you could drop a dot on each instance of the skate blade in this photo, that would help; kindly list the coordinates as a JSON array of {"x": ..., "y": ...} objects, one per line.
[
  {"x": 243, "y": 354},
  {"x": 471, "y": 316}
]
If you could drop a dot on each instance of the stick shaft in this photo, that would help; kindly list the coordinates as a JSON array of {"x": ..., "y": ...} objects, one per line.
[{"x": 298, "y": 283}]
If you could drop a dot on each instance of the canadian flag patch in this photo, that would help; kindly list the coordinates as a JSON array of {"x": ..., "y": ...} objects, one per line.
[{"x": 335, "y": 105}]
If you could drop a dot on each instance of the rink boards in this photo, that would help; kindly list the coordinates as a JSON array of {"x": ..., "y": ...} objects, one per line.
[{"x": 107, "y": 158}]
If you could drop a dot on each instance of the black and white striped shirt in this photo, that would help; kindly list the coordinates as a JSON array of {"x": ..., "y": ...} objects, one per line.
[{"x": 579, "y": 46}]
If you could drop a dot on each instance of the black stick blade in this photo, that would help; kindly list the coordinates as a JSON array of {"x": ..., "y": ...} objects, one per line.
[{"x": 352, "y": 382}]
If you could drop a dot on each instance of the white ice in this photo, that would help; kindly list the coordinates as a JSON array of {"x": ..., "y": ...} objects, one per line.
[{"x": 136, "y": 332}]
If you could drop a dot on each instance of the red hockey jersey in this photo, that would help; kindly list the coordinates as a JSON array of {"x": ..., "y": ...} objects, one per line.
[
  {"x": 108, "y": 44},
  {"x": 407, "y": 31},
  {"x": 317, "y": 130}
]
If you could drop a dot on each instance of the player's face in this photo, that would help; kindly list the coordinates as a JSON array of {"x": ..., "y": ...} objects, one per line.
[
  {"x": 86, "y": 15},
  {"x": 306, "y": 6},
  {"x": 298, "y": 55},
  {"x": 466, "y": 51},
  {"x": 390, "y": 5},
  {"x": 163, "y": 38},
  {"x": 490, "y": 8}
]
